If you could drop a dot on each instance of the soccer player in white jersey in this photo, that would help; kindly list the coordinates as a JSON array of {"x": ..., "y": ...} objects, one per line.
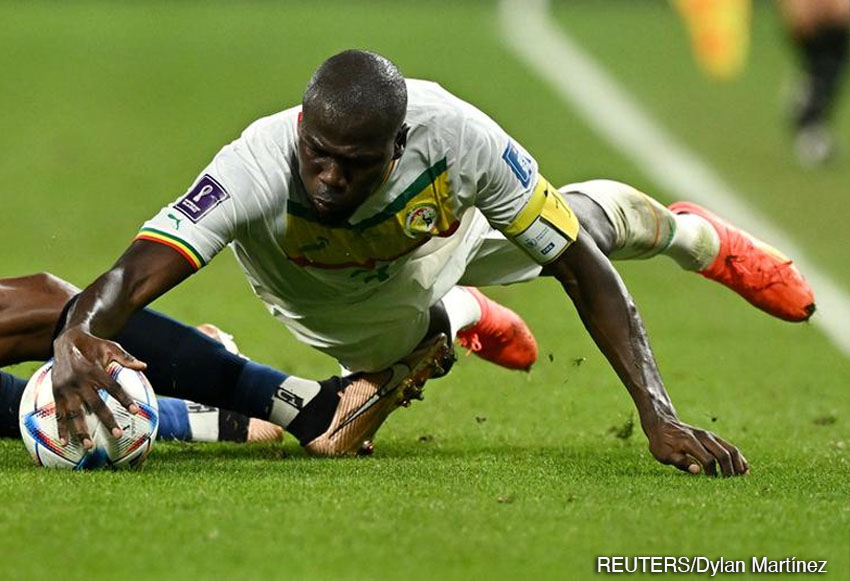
[{"x": 358, "y": 216}]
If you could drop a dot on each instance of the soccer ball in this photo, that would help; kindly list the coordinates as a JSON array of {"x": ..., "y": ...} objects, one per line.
[{"x": 37, "y": 417}]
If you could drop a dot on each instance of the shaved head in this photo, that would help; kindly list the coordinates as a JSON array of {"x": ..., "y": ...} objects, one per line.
[
  {"x": 357, "y": 90},
  {"x": 351, "y": 131}
]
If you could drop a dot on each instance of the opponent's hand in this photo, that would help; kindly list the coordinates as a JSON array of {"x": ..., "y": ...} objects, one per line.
[
  {"x": 694, "y": 450},
  {"x": 80, "y": 360}
]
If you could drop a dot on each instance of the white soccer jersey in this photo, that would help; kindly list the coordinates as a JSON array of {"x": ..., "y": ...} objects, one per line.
[{"x": 400, "y": 251}]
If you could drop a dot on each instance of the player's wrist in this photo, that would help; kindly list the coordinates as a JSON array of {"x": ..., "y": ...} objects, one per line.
[
  {"x": 70, "y": 334},
  {"x": 654, "y": 416}
]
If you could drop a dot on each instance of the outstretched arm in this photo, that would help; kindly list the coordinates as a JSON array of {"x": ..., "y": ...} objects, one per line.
[
  {"x": 610, "y": 316},
  {"x": 82, "y": 350}
]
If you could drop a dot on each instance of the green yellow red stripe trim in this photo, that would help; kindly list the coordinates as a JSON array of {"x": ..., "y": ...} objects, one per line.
[
  {"x": 181, "y": 246},
  {"x": 425, "y": 179}
]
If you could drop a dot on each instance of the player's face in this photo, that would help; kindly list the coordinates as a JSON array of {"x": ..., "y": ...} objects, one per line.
[{"x": 341, "y": 167}]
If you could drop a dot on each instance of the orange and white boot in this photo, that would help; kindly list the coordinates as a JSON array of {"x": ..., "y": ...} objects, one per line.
[
  {"x": 500, "y": 335},
  {"x": 755, "y": 270}
]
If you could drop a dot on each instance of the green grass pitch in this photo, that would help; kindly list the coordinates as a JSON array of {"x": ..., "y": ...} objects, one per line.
[{"x": 109, "y": 110}]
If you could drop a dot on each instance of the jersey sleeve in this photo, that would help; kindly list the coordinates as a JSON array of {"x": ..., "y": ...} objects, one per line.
[
  {"x": 222, "y": 200},
  {"x": 511, "y": 193}
]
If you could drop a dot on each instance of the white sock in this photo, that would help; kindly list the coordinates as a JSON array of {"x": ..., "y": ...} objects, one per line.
[
  {"x": 203, "y": 421},
  {"x": 462, "y": 308},
  {"x": 695, "y": 243},
  {"x": 293, "y": 395}
]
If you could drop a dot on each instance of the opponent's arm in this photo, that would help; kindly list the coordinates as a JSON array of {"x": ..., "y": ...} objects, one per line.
[
  {"x": 82, "y": 350},
  {"x": 610, "y": 316}
]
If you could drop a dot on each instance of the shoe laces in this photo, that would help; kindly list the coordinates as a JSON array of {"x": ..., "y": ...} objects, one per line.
[
  {"x": 767, "y": 273},
  {"x": 470, "y": 340}
]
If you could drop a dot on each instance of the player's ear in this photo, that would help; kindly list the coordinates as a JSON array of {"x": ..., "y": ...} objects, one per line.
[{"x": 400, "y": 141}]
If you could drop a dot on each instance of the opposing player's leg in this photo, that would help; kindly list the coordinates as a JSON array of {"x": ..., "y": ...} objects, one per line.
[
  {"x": 189, "y": 365},
  {"x": 178, "y": 419},
  {"x": 11, "y": 389},
  {"x": 188, "y": 421},
  {"x": 30, "y": 307},
  {"x": 334, "y": 417},
  {"x": 27, "y": 332},
  {"x": 627, "y": 224},
  {"x": 185, "y": 363},
  {"x": 193, "y": 422}
]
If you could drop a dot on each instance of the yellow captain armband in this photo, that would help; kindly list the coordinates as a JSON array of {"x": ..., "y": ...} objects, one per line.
[{"x": 546, "y": 226}]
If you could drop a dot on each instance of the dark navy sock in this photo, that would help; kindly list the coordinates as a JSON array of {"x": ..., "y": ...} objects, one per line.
[
  {"x": 184, "y": 363},
  {"x": 232, "y": 426},
  {"x": 11, "y": 390}
]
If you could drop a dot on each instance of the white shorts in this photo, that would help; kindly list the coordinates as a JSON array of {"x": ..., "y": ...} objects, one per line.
[{"x": 375, "y": 332}]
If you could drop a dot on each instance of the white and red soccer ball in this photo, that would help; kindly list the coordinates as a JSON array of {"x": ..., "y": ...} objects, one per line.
[{"x": 40, "y": 433}]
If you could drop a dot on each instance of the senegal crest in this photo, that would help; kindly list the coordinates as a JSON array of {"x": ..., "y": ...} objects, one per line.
[{"x": 421, "y": 219}]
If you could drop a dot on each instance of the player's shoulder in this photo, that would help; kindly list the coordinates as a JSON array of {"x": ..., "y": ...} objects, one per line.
[
  {"x": 266, "y": 146},
  {"x": 279, "y": 129},
  {"x": 422, "y": 93},
  {"x": 258, "y": 164},
  {"x": 428, "y": 102},
  {"x": 442, "y": 112}
]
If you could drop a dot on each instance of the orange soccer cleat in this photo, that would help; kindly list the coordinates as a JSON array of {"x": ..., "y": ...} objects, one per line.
[
  {"x": 755, "y": 270},
  {"x": 500, "y": 336}
]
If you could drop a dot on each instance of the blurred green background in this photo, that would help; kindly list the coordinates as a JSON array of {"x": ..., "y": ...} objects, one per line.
[{"x": 110, "y": 110}]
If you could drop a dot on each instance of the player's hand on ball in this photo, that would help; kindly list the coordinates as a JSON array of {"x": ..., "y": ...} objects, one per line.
[
  {"x": 694, "y": 450},
  {"x": 78, "y": 374}
]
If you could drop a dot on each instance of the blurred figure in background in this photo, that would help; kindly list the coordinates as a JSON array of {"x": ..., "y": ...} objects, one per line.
[
  {"x": 720, "y": 34},
  {"x": 820, "y": 31}
]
